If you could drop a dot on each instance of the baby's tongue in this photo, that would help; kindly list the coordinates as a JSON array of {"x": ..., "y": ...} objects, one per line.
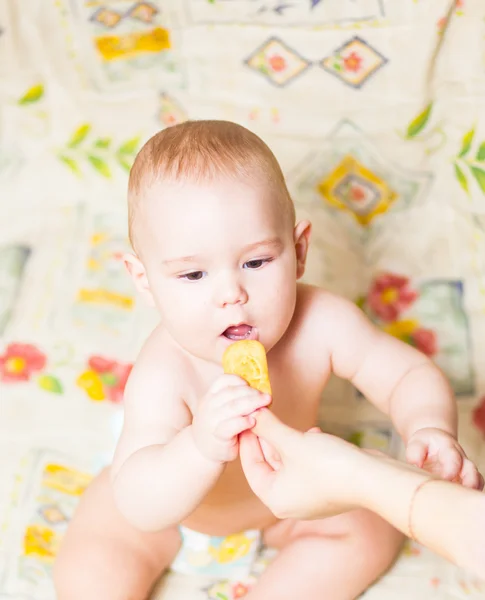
[{"x": 239, "y": 332}]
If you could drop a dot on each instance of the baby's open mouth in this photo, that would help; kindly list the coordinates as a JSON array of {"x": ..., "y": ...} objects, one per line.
[{"x": 239, "y": 332}]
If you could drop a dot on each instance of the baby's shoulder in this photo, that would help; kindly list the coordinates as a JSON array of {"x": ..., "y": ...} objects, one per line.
[
  {"x": 322, "y": 316},
  {"x": 159, "y": 365},
  {"x": 314, "y": 302}
]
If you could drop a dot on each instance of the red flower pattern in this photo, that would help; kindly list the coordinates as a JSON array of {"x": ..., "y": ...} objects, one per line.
[
  {"x": 114, "y": 376},
  {"x": 425, "y": 340},
  {"x": 352, "y": 62},
  {"x": 277, "y": 63},
  {"x": 479, "y": 416},
  {"x": 20, "y": 361},
  {"x": 390, "y": 295}
]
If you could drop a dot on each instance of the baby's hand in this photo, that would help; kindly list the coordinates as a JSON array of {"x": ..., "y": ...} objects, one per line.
[
  {"x": 439, "y": 452},
  {"x": 223, "y": 414}
]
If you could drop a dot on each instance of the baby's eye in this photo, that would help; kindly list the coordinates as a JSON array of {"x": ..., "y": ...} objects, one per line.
[
  {"x": 256, "y": 264},
  {"x": 194, "y": 276}
]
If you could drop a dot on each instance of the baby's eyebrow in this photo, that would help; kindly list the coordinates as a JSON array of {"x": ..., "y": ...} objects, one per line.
[
  {"x": 183, "y": 259},
  {"x": 276, "y": 243}
]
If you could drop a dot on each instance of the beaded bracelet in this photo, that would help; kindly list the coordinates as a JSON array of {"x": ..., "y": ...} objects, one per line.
[{"x": 411, "y": 507}]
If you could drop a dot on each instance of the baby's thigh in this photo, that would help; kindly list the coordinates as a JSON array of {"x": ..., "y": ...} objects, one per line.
[
  {"x": 103, "y": 556},
  {"x": 366, "y": 534}
]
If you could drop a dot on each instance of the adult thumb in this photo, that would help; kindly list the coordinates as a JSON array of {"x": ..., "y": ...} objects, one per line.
[{"x": 269, "y": 428}]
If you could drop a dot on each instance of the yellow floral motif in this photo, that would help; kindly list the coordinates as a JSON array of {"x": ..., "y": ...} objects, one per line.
[
  {"x": 41, "y": 542},
  {"x": 390, "y": 295},
  {"x": 98, "y": 238},
  {"x": 115, "y": 47},
  {"x": 100, "y": 296},
  {"x": 353, "y": 188},
  {"x": 232, "y": 548},
  {"x": 16, "y": 364},
  {"x": 93, "y": 265},
  {"x": 92, "y": 384},
  {"x": 402, "y": 329},
  {"x": 65, "y": 480}
]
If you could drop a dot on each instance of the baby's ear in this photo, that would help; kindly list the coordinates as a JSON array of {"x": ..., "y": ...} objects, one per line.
[
  {"x": 301, "y": 237},
  {"x": 136, "y": 269}
]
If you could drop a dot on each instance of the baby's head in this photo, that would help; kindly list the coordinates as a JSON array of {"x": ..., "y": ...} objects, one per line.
[{"x": 213, "y": 228}]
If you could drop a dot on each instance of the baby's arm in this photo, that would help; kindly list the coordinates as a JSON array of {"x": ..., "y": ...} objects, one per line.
[
  {"x": 159, "y": 476},
  {"x": 402, "y": 382}
]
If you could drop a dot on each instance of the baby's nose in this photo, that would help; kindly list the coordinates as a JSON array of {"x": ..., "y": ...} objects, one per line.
[{"x": 232, "y": 292}]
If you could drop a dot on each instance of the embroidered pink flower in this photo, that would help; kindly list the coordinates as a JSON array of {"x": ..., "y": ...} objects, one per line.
[
  {"x": 20, "y": 361},
  {"x": 479, "y": 416},
  {"x": 425, "y": 340},
  {"x": 352, "y": 62},
  {"x": 390, "y": 295},
  {"x": 105, "y": 378}
]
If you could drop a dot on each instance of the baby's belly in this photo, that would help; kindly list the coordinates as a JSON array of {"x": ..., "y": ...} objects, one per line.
[{"x": 230, "y": 507}]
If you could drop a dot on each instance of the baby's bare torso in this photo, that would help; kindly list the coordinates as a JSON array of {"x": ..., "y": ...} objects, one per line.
[
  {"x": 231, "y": 506},
  {"x": 299, "y": 367}
]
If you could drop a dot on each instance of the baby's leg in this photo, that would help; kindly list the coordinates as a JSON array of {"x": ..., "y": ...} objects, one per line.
[
  {"x": 335, "y": 558},
  {"x": 103, "y": 557}
]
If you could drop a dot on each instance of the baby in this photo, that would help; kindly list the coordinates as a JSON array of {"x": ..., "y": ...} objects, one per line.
[{"x": 219, "y": 255}]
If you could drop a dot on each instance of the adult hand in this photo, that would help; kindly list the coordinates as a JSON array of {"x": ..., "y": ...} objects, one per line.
[{"x": 301, "y": 475}]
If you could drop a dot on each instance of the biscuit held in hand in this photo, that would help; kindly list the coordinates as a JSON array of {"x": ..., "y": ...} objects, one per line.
[{"x": 247, "y": 359}]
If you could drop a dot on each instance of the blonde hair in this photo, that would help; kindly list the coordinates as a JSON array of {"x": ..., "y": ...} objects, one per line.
[{"x": 201, "y": 151}]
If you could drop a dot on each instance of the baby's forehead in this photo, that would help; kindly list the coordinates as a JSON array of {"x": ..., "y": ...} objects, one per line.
[
  {"x": 196, "y": 209},
  {"x": 225, "y": 194}
]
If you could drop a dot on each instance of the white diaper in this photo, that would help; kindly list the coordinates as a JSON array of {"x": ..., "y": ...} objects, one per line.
[{"x": 227, "y": 557}]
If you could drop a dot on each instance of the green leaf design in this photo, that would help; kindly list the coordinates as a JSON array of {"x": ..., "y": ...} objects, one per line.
[
  {"x": 466, "y": 143},
  {"x": 102, "y": 143},
  {"x": 356, "y": 438},
  {"x": 99, "y": 165},
  {"x": 109, "y": 379},
  {"x": 130, "y": 146},
  {"x": 49, "y": 383},
  {"x": 34, "y": 94},
  {"x": 79, "y": 135},
  {"x": 479, "y": 175},
  {"x": 462, "y": 180},
  {"x": 481, "y": 152},
  {"x": 125, "y": 162},
  {"x": 71, "y": 163},
  {"x": 418, "y": 123}
]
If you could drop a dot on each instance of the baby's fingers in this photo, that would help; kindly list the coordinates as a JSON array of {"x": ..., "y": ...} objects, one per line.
[
  {"x": 246, "y": 405},
  {"x": 470, "y": 477},
  {"x": 451, "y": 462},
  {"x": 416, "y": 452},
  {"x": 232, "y": 427}
]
